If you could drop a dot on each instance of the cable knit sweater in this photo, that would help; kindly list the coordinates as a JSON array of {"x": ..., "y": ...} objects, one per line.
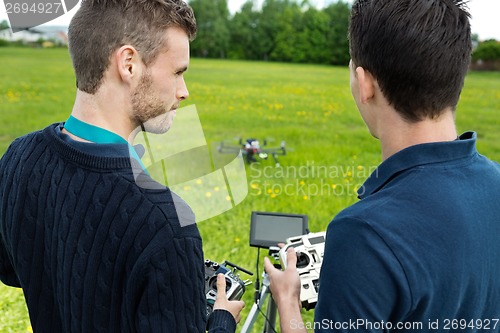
[{"x": 92, "y": 250}]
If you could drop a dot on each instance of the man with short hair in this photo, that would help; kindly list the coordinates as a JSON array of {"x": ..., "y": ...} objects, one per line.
[
  {"x": 420, "y": 250},
  {"x": 93, "y": 250}
]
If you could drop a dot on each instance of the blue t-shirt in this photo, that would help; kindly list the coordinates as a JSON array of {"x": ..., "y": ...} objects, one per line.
[{"x": 420, "y": 251}]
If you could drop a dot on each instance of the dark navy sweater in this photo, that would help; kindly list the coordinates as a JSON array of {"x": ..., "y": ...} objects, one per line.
[
  {"x": 420, "y": 252},
  {"x": 92, "y": 250}
]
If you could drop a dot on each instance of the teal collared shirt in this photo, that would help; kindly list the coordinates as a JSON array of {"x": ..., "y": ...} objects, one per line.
[{"x": 102, "y": 149}]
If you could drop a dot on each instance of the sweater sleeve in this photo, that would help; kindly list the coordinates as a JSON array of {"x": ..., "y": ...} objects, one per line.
[
  {"x": 221, "y": 321},
  {"x": 166, "y": 291},
  {"x": 7, "y": 273},
  {"x": 362, "y": 284}
]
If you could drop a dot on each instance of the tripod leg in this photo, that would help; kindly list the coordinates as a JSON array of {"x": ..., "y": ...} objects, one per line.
[
  {"x": 254, "y": 312},
  {"x": 250, "y": 321},
  {"x": 270, "y": 326}
]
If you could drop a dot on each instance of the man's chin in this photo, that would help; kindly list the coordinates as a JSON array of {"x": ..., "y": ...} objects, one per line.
[
  {"x": 156, "y": 128},
  {"x": 158, "y": 125}
]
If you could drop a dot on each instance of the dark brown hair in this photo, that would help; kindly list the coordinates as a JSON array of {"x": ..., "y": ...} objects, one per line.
[
  {"x": 418, "y": 50},
  {"x": 102, "y": 26}
]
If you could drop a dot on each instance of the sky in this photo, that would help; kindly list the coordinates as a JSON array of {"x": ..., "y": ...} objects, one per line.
[{"x": 484, "y": 13}]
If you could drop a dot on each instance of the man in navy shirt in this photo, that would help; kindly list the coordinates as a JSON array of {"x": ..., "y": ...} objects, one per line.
[
  {"x": 420, "y": 251},
  {"x": 93, "y": 250}
]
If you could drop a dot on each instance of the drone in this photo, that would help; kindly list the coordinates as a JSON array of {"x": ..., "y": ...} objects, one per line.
[{"x": 253, "y": 150}]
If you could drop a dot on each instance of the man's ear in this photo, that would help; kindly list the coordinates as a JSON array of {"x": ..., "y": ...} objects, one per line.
[
  {"x": 128, "y": 63},
  {"x": 366, "y": 85}
]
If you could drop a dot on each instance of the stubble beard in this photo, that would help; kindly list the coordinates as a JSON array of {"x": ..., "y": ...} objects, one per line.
[{"x": 147, "y": 109}]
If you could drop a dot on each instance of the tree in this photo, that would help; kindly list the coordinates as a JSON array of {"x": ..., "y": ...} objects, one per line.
[
  {"x": 243, "y": 42},
  {"x": 4, "y": 25},
  {"x": 212, "y": 17},
  {"x": 269, "y": 26},
  {"x": 487, "y": 50},
  {"x": 282, "y": 30},
  {"x": 314, "y": 37},
  {"x": 288, "y": 45},
  {"x": 486, "y": 56},
  {"x": 338, "y": 43}
]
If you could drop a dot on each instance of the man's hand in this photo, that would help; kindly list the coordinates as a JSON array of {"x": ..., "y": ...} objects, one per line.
[
  {"x": 221, "y": 302},
  {"x": 285, "y": 285},
  {"x": 285, "y": 289}
]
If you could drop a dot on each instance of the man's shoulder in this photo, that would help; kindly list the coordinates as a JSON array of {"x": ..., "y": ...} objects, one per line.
[
  {"x": 21, "y": 149},
  {"x": 485, "y": 162},
  {"x": 170, "y": 207},
  {"x": 155, "y": 209},
  {"x": 25, "y": 140}
]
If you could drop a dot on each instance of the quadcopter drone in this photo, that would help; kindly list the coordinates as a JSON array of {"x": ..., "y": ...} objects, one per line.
[{"x": 253, "y": 150}]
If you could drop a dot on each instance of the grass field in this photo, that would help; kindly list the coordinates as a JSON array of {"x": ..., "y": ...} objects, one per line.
[{"x": 310, "y": 107}]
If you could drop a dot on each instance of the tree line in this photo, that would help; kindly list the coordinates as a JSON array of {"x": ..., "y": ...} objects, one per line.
[
  {"x": 281, "y": 30},
  {"x": 291, "y": 31},
  {"x": 287, "y": 31}
]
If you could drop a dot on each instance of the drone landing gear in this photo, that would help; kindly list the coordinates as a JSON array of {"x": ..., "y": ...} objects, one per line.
[{"x": 276, "y": 163}]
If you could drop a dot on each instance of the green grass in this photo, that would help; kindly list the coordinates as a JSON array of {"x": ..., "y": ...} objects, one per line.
[{"x": 308, "y": 106}]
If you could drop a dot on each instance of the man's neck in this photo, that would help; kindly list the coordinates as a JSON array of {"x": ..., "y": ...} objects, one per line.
[
  {"x": 404, "y": 134},
  {"x": 89, "y": 109}
]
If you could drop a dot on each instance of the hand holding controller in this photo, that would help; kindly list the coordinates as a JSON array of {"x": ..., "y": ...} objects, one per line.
[
  {"x": 223, "y": 289},
  {"x": 309, "y": 249}
]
